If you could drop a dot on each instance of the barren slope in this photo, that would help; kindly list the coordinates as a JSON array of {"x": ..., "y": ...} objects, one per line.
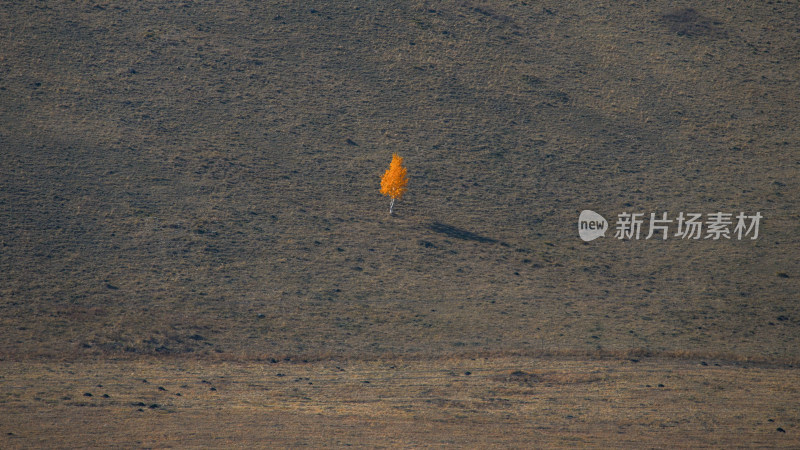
[{"x": 182, "y": 178}]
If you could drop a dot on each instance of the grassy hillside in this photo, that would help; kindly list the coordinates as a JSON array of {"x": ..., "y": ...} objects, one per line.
[{"x": 187, "y": 178}]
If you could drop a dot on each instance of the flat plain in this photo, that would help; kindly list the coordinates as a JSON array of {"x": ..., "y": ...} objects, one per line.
[{"x": 189, "y": 192}]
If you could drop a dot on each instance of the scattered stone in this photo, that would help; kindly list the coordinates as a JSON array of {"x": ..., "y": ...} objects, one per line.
[
  {"x": 427, "y": 244},
  {"x": 522, "y": 377}
]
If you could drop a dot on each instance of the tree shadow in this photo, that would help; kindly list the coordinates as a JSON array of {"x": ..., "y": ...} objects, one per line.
[{"x": 458, "y": 233}]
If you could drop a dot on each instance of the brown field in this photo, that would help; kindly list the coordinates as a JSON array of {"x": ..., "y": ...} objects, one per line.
[
  {"x": 189, "y": 192},
  {"x": 483, "y": 402}
]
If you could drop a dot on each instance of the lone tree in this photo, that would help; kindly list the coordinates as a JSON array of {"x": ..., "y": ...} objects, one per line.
[{"x": 394, "y": 181}]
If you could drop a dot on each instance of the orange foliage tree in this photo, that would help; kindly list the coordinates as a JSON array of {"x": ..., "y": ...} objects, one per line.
[{"x": 394, "y": 181}]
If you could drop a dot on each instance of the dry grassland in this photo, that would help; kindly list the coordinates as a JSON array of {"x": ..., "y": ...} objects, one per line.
[
  {"x": 471, "y": 402},
  {"x": 189, "y": 192}
]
